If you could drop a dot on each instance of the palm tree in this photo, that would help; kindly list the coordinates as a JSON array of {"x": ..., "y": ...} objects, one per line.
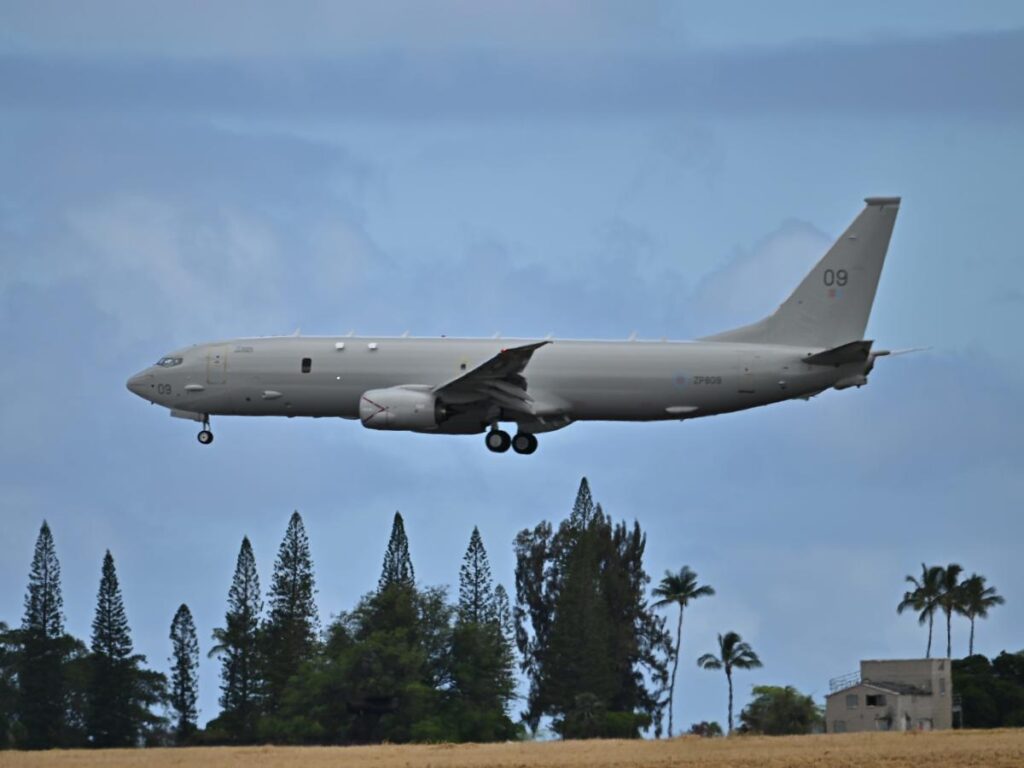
[
  {"x": 679, "y": 589},
  {"x": 734, "y": 654},
  {"x": 976, "y": 599},
  {"x": 923, "y": 599},
  {"x": 950, "y": 599}
]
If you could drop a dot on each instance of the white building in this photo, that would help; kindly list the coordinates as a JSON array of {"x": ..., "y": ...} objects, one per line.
[{"x": 898, "y": 695}]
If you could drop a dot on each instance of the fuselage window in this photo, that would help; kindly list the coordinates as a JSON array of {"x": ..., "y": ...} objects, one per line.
[{"x": 307, "y": 364}]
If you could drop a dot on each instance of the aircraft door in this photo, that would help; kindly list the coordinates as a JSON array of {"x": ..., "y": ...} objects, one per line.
[
  {"x": 747, "y": 374},
  {"x": 217, "y": 365}
]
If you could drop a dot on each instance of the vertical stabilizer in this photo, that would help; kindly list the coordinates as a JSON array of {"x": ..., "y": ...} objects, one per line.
[{"x": 832, "y": 304}]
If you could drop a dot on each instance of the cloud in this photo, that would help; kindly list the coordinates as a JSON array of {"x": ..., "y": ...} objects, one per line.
[
  {"x": 755, "y": 281},
  {"x": 950, "y": 75},
  {"x": 311, "y": 27}
]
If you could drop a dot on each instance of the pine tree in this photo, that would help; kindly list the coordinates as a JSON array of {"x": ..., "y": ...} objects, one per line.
[
  {"x": 583, "y": 508},
  {"x": 184, "y": 672},
  {"x": 120, "y": 693},
  {"x": 503, "y": 615},
  {"x": 397, "y": 562},
  {"x": 111, "y": 636},
  {"x": 482, "y": 660},
  {"x": 8, "y": 686},
  {"x": 42, "y": 692},
  {"x": 44, "y": 601},
  {"x": 476, "y": 595},
  {"x": 237, "y": 643},
  {"x": 290, "y": 632}
]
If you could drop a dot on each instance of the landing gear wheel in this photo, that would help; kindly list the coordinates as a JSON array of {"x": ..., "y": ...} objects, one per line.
[
  {"x": 524, "y": 443},
  {"x": 205, "y": 437},
  {"x": 498, "y": 441}
]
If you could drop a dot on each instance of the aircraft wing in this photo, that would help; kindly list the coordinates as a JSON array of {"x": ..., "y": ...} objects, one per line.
[{"x": 499, "y": 379}]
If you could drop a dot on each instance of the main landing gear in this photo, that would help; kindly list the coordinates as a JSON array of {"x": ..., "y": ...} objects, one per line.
[
  {"x": 206, "y": 436},
  {"x": 499, "y": 441}
]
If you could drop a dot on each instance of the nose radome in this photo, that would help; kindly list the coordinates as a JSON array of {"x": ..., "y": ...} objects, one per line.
[{"x": 139, "y": 383}]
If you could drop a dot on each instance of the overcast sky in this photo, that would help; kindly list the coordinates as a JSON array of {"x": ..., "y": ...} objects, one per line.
[{"x": 184, "y": 172}]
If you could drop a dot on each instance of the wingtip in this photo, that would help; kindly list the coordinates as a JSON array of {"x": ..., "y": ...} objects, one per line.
[{"x": 882, "y": 201}]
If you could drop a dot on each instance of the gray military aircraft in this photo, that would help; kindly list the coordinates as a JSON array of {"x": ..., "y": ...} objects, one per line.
[{"x": 813, "y": 342}]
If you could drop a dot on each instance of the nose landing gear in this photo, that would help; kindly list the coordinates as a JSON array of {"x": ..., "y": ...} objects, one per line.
[{"x": 206, "y": 436}]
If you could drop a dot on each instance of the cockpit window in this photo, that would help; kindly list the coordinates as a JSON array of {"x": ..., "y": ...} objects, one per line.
[{"x": 168, "y": 362}]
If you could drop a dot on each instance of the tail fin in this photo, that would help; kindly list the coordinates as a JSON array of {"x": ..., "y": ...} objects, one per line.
[{"x": 831, "y": 306}]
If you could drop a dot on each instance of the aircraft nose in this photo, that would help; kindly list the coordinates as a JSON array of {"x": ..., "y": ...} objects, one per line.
[{"x": 139, "y": 384}]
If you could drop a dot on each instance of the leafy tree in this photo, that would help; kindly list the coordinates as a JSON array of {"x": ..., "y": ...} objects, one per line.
[
  {"x": 394, "y": 646},
  {"x": 42, "y": 689},
  {"x": 184, "y": 672},
  {"x": 120, "y": 693},
  {"x": 237, "y": 643},
  {"x": 991, "y": 693},
  {"x": 290, "y": 631},
  {"x": 923, "y": 598},
  {"x": 949, "y": 599},
  {"x": 705, "y": 729},
  {"x": 397, "y": 562},
  {"x": 976, "y": 600},
  {"x": 383, "y": 670},
  {"x": 678, "y": 589},
  {"x": 583, "y": 626},
  {"x": 476, "y": 591},
  {"x": 733, "y": 654},
  {"x": 778, "y": 711}
]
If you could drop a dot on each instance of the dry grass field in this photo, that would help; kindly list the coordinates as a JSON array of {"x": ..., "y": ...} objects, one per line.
[{"x": 983, "y": 749}]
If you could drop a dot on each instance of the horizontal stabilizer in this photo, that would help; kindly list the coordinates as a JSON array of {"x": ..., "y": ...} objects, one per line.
[{"x": 854, "y": 352}]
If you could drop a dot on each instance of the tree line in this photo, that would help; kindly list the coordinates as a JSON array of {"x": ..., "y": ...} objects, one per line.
[{"x": 407, "y": 663}]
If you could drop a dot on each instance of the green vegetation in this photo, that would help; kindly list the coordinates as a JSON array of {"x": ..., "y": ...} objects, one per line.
[
  {"x": 780, "y": 711},
  {"x": 120, "y": 693},
  {"x": 593, "y": 650},
  {"x": 184, "y": 690},
  {"x": 940, "y": 588},
  {"x": 678, "y": 589},
  {"x": 733, "y": 653},
  {"x": 409, "y": 664},
  {"x": 992, "y": 693}
]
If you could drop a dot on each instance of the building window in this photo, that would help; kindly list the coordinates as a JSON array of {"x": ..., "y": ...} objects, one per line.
[
  {"x": 839, "y": 726},
  {"x": 307, "y": 364},
  {"x": 851, "y": 701},
  {"x": 942, "y": 686},
  {"x": 877, "y": 700}
]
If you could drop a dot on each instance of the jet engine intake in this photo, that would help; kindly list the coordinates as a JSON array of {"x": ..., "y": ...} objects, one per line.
[{"x": 400, "y": 408}]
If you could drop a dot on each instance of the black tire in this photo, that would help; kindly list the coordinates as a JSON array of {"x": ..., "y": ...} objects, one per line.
[
  {"x": 205, "y": 437},
  {"x": 498, "y": 441},
  {"x": 524, "y": 443}
]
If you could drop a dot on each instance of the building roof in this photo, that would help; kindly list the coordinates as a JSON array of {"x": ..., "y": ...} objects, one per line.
[{"x": 900, "y": 689}]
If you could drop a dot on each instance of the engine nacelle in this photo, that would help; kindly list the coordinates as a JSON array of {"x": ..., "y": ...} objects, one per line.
[{"x": 400, "y": 408}]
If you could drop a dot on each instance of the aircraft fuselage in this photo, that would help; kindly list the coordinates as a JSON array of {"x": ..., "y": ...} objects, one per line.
[{"x": 580, "y": 380}]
